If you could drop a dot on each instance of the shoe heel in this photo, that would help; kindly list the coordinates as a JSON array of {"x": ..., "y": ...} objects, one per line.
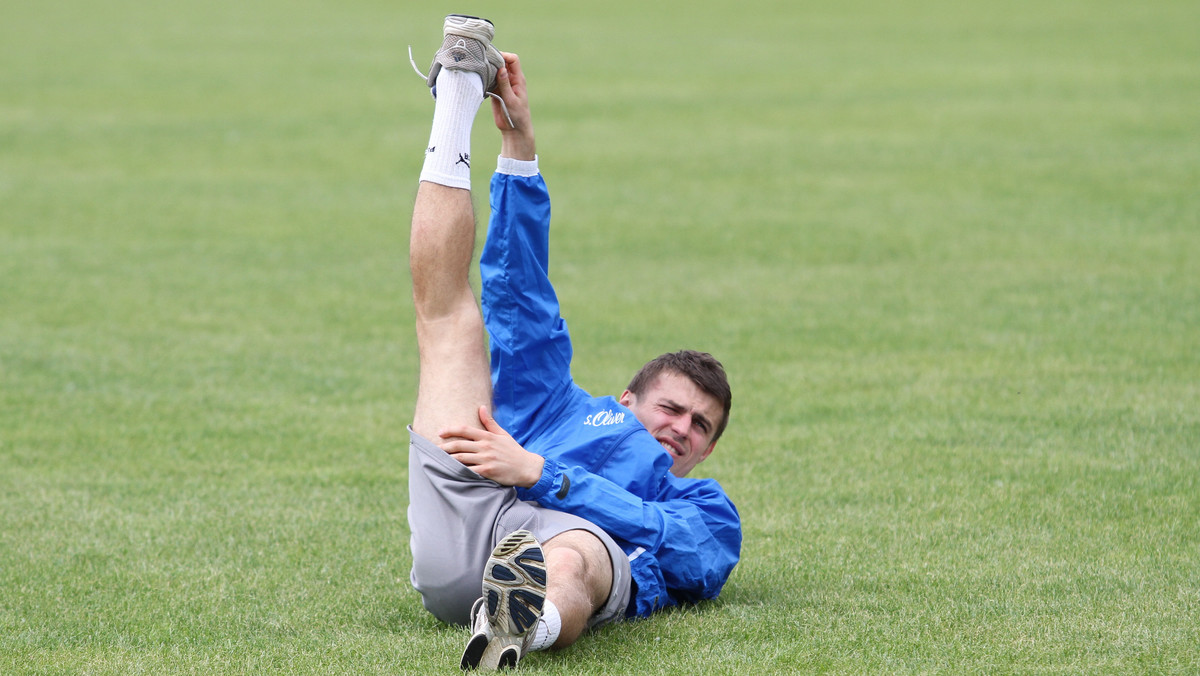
[
  {"x": 508, "y": 659},
  {"x": 474, "y": 652}
]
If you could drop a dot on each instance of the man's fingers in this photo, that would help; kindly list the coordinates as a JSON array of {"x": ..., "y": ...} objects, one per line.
[
  {"x": 512, "y": 61},
  {"x": 503, "y": 86},
  {"x": 512, "y": 64},
  {"x": 489, "y": 421},
  {"x": 463, "y": 451},
  {"x": 464, "y": 432}
]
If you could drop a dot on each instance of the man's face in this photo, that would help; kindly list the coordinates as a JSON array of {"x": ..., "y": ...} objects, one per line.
[{"x": 680, "y": 415}]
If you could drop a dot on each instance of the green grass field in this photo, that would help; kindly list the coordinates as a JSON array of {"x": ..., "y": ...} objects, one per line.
[{"x": 949, "y": 252}]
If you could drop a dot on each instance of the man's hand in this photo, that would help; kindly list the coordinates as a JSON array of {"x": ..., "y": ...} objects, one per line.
[
  {"x": 517, "y": 141},
  {"x": 492, "y": 452}
]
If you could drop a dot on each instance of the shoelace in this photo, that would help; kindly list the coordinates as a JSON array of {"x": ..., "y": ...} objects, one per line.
[{"x": 486, "y": 95}]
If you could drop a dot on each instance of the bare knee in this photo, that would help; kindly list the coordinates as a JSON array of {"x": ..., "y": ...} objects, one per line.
[
  {"x": 579, "y": 572},
  {"x": 568, "y": 562}
]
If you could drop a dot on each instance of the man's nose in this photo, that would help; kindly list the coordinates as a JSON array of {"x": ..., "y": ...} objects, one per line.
[{"x": 680, "y": 425}]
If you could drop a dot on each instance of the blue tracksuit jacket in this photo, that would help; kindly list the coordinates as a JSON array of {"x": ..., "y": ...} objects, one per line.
[{"x": 683, "y": 536}]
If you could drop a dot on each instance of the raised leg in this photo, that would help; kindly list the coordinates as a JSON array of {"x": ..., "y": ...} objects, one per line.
[{"x": 455, "y": 378}]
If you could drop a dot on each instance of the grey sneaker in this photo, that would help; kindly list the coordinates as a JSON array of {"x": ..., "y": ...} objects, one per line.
[
  {"x": 467, "y": 46},
  {"x": 505, "y": 617}
]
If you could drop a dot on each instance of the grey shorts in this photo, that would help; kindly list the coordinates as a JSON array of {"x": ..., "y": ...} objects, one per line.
[{"x": 457, "y": 517}]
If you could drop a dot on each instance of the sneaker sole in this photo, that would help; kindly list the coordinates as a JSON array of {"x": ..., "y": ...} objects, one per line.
[
  {"x": 473, "y": 655},
  {"x": 514, "y": 590},
  {"x": 470, "y": 27},
  {"x": 508, "y": 659},
  {"x": 514, "y": 584},
  {"x": 494, "y": 656}
]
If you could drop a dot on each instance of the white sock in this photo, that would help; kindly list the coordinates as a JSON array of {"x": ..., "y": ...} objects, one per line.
[
  {"x": 548, "y": 627},
  {"x": 448, "y": 155}
]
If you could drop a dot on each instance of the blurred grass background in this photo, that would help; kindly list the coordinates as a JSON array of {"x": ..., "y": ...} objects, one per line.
[{"x": 948, "y": 252}]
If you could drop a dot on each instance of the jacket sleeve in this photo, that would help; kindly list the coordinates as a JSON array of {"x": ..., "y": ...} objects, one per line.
[
  {"x": 686, "y": 540},
  {"x": 529, "y": 343}
]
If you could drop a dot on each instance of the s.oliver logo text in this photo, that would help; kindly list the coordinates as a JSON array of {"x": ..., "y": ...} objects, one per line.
[{"x": 605, "y": 418}]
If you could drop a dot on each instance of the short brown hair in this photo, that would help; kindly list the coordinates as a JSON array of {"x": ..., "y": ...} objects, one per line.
[{"x": 700, "y": 367}]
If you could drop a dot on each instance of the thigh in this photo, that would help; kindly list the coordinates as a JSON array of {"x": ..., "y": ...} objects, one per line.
[
  {"x": 452, "y": 516},
  {"x": 455, "y": 378}
]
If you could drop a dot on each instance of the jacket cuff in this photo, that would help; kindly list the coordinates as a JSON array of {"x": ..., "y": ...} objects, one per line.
[
  {"x": 551, "y": 473},
  {"x": 507, "y": 165}
]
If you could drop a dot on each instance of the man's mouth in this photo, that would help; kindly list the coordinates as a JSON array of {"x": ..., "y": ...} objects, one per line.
[{"x": 671, "y": 447}]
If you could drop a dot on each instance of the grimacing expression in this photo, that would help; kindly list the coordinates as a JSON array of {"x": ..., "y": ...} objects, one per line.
[{"x": 680, "y": 415}]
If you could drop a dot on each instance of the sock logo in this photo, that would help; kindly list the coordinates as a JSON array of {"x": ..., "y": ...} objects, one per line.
[
  {"x": 464, "y": 158},
  {"x": 430, "y": 149}
]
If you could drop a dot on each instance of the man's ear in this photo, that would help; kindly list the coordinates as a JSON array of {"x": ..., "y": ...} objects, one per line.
[
  {"x": 627, "y": 398},
  {"x": 708, "y": 451}
]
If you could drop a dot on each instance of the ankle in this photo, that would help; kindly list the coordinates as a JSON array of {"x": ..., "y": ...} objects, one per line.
[{"x": 448, "y": 155}]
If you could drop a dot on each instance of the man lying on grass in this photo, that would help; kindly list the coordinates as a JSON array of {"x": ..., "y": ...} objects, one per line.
[{"x": 573, "y": 509}]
